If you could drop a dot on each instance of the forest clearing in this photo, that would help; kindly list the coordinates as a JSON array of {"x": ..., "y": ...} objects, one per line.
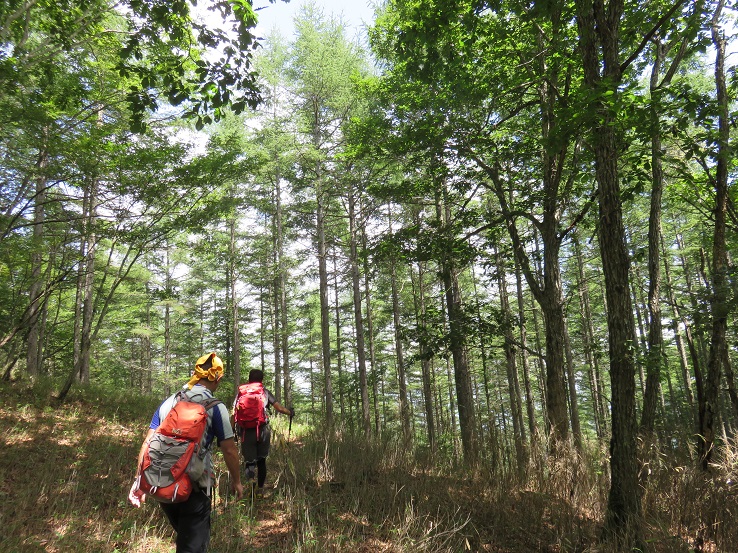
[{"x": 485, "y": 250}]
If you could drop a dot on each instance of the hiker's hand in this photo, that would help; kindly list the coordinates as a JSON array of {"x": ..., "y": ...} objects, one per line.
[
  {"x": 136, "y": 497},
  {"x": 237, "y": 489}
]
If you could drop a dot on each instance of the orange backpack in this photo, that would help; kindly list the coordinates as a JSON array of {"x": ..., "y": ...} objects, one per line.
[{"x": 174, "y": 458}]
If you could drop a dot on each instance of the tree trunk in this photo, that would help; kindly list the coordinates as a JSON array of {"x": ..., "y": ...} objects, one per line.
[
  {"x": 233, "y": 253},
  {"x": 325, "y": 331},
  {"x": 81, "y": 366},
  {"x": 588, "y": 341},
  {"x": 339, "y": 340},
  {"x": 697, "y": 338},
  {"x": 425, "y": 357},
  {"x": 35, "y": 296},
  {"x": 457, "y": 340},
  {"x": 541, "y": 369},
  {"x": 522, "y": 321},
  {"x": 276, "y": 326},
  {"x": 639, "y": 336},
  {"x": 286, "y": 372},
  {"x": 80, "y": 289},
  {"x": 276, "y": 319},
  {"x": 654, "y": 355},
  {"x": 452, "y": 406},
  {"x": 600, "y": 34},
  {"x": 709, "y": 401},
  {"x": 485, "y": 370},
  {"x": 730, "y": 381},
  {"x": 571, "y": 381},
  {"x": 262, "y": 328},
  {"x": 145, "y": 387},
  {"x": 546, "y": 289},
  {"x": 513, "y": 384},
  {"x": 83, "y": 370},
  {"x": 167, "y": 323},
  {"x": 370, "y": 330},
  {"x": 399, "y": 353},
  {"x": 675, "y": 318},
  {"x": 358, "y": 318}
]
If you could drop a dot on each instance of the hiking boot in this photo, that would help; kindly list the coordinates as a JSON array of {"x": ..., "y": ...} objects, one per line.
[{"x": 250, "y": 473}]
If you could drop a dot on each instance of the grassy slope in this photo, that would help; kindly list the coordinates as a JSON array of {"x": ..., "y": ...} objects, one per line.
[{"x": 65, "y": 474}]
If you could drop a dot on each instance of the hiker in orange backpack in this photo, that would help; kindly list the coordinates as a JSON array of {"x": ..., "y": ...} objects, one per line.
[
  {"x": 251, "y": 420},
  {"x": 174, "y": 463}
]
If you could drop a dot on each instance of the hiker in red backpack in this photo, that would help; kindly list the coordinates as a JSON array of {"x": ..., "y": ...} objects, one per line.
[
  {"x": 251, "y": 420},
  {"x": 185, "y": 497}
]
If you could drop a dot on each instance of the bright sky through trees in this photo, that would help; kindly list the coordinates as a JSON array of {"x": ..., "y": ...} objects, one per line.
[{"x": 355, "y": 13}]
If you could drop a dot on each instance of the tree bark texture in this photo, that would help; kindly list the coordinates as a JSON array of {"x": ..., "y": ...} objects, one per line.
[{"x": 599, "y": 32}]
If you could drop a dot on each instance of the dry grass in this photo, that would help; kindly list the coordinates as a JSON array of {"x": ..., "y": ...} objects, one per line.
[{"x": 65, "y": 473}]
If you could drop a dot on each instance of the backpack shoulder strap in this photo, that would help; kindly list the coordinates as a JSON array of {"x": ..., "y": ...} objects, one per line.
[
  {"x": 207, "y": 403},
  {"x": 210, "y": 403}
]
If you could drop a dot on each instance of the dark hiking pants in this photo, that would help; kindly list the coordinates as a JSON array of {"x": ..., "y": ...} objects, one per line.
[{"x": 191, "y": 520}]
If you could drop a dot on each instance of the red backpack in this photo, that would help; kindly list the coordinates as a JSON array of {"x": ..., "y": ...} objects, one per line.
[
  {"x": 251, "y": 406},
  {"x": 174, "y": 458}
]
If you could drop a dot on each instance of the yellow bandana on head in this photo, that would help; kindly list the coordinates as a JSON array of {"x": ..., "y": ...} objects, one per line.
[{"x": 208, "y": 367}]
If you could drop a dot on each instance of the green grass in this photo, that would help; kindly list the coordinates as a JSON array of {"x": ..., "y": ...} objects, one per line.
[{"x": 66, "y": 470}]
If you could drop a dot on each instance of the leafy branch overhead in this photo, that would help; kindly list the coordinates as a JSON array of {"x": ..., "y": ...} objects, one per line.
[
  {"x": 166, "y": 51},
  {"x": 170, "y": 53}
]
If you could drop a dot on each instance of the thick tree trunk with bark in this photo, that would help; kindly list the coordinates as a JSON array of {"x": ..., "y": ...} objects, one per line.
[{"x": 599, "y": 33}]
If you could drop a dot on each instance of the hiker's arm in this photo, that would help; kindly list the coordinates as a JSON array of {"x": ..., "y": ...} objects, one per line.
[
  {"x": 281, "y": 409},
  {"x": 135, "y": 497},
  {"x": 144, "y": 445},
  {"x": 230, "y": 454}
]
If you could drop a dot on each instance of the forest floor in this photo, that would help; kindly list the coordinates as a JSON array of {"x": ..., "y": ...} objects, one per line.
[{"x": 66, "y": 470}]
